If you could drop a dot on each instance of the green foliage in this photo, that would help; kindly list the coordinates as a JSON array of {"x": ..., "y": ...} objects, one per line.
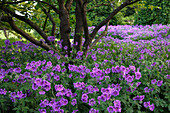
[{"x": 154, "y": 12}]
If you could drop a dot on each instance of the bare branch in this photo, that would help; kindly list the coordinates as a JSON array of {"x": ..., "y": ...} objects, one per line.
[{"x": 103, "y": 34}]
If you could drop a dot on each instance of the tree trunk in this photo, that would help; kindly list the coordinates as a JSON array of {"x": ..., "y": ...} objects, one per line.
[
  {"x": 64, "y": 27},
  {"x": 79, "y": 26}
]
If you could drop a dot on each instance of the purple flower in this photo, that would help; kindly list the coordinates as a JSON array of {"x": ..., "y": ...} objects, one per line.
[
  {"x": 90, "y": 89},
  {"x": 65, "y": 47},
  {"x": 44, "y": 68},
  {"x": 140, "y": 98},
  {"x": 51, "y": 38},
  {"x": 33, "y": 68},
  {"x": 159, "y": 83},
  {"x": 129, "y": 78},
  {"x": 11, "y": 63},
  {"x": 17, "y": 70},
  {"x": 38, "y": 81},
  {"x": 7, "y": 42},
  {"x": 84, "y": 98},
  {"x": 153, "y": 81},
  {"x": 41, "y": 92},
  {"x": 117, "y": 109},
  {"x": 74, "y": 102},
  {"x": 138, "y": 84},
  {"x": 110, "y": 109},
  {"x": 56, "y": 107},
  {"x": 13, "y": 94},
  {"x": 2, "y": 75},
  {"x": 92, "y": 102},
  {"x": 168, "y": 76},
  {"x": 117, "y": 69},
  {"x": 146, "y": 90},
  {"x": 146, "y": 104},
  {"x": 117, "y": 103},
  {"x": 92, "y": 110},
  {"x": 133, "y": 68},
  {"x": 115, "y": 93},
  {"x": 49, "y": 64},
  {"x": 56, "y": 77},
  {"x": 52, "y": 102},
  {"x": 59, "y": 87},
  {"x": 34, "y": 86},
  {"x": 107, "y": 71},
  {"x": 137, "y": 75},
  {"x": 63, "y": 101},
  {"x": 152, "y": 107},
  {"x": 27, "y": 74},
  {"x": 74, "y": 111},
  {"x": 47, "y": 87},
  {"x": 42, "y": 104},
  {"x": 61, "y": 111},
  {"x": 42, "y": 110}
]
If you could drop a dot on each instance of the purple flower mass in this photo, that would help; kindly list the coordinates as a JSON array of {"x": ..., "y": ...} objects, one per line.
[{"x": 103, "y": 80}]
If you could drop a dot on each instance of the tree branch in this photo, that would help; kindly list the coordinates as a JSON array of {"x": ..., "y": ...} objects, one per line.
[
  {"x": 4, "y": 29},
  {"x": 86, "y": 31},
  {"x": 68, "y": 4},
  {"x": 23, "y": 33},
  {"x": 33, "y": 25},
  {"x": 46, "y": 21},
  {"x": 103, "y": 34},
  {"x": 52, "y": 21}
]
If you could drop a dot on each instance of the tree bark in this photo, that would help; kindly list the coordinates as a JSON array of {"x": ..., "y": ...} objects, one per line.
[
  {"x": 64, "y": 27},
  {"x": 79, "y": 26},
  {"x": 86, "y": 31}
]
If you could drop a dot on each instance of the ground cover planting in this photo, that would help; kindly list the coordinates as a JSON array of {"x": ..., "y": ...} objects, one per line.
[{"x": 128, "y": 71}]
